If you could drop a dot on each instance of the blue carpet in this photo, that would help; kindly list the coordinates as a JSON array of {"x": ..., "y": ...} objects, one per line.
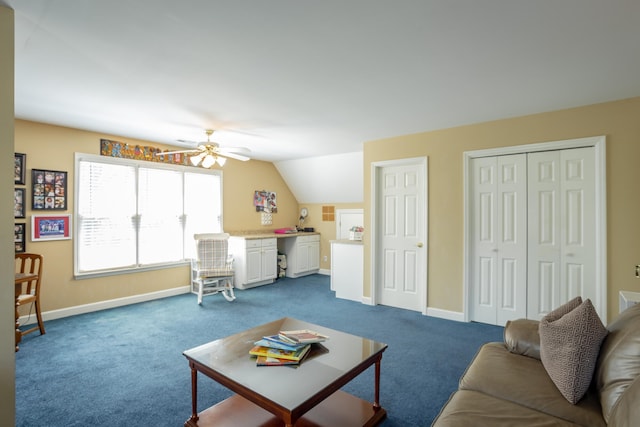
[{"x": 124, "y": 366}]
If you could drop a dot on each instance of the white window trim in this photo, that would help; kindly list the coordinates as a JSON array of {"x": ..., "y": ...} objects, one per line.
[{"x": 138, "y": 163}]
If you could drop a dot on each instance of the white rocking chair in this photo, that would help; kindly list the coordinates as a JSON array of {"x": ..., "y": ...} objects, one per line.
[{"x": 212, "y": 270}]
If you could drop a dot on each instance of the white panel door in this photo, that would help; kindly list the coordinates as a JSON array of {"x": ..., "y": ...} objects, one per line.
[
  {"x": 402, "y": 253},
  {"x": 498, "y": 239},
  {"x": 562, "y": 229}
]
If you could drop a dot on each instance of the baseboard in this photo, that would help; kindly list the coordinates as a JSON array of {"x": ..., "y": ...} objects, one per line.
[
  {"x": 134, "y": 299},
  {"x": 324, "y": 271},
  {"x": 103, "y": 305},
  {"x": 433, "y": 312},
  {"x": 445, "y": 314}
]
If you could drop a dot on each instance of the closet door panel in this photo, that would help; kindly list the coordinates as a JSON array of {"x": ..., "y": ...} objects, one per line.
[
  {"x": 483, "y": 237},
  {"x": 578, "y": 226},
  {"x": 512, "y": 238},
  {"x": 499, "y": 239},
  {"x": 562, "y": 228},
  {"x": 544, "y": 226}
]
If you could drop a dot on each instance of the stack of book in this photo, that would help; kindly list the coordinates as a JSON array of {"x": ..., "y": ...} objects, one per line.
[{"x": 285, "y": 348}]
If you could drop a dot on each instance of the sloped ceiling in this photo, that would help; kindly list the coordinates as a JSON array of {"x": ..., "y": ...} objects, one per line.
[{"x": 337, "y": 178}]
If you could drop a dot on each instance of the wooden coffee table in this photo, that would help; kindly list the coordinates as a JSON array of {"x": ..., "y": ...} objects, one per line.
[{"x": 302, "y": 396}]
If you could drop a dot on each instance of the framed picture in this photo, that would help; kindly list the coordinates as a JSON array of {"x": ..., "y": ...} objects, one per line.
[
  {"x": 265, "y": 201},
  {"x": 20, "y": 168},
  {"x": 49, "y": 190},
  {"x": 50, "y": 227},
  {"x": 19, "y": 230},
  {"x": 18, "y": 202}
]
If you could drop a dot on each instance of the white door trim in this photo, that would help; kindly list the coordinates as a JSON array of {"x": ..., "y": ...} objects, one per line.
[
  {"x": 376, "y": 167},
  {"x": 599, "y": 143}
]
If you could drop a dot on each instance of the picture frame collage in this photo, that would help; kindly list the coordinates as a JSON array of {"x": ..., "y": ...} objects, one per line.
[
  {"x": 19, "y": 198},
  {"x": 49, "y": 190},
  {"x": 48, "y": 193}
]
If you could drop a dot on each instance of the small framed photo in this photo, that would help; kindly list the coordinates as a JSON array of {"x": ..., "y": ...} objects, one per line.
[
  {"x": 18, "y": 202},
  {"x": 49, "y": 190},
  {"x": 19, "y": 231},
  {"x": 50, "y": 227},
  {"x": 20, "y": 168}
]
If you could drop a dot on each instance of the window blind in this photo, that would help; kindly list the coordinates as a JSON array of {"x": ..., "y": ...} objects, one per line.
[{"x": 132, "y": 215}]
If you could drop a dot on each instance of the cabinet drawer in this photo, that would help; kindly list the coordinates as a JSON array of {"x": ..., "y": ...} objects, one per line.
[
  {"x": 269, "y": 243},
  {"x": 261, "y": 243},
  {"x": 253, "y": 243},
  {"x": 308, "y": 239}
]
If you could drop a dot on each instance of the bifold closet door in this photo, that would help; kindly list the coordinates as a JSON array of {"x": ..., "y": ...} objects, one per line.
[
  {"x": 561, "y": 242},
  {"x": 498, "y": 238}
]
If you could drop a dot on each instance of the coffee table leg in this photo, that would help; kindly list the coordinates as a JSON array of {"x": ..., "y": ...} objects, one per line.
[
  {"x": 376, "y": 401},
  {"x": 194, "y": 396}
]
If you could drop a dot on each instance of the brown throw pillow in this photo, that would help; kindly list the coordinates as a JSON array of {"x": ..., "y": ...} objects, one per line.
[{"x": 570, "y": 338}]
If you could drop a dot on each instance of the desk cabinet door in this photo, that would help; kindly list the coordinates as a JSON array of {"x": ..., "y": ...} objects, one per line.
[
  {"x": 254, "y": 265},
  {"x": 270, "y": 262}
]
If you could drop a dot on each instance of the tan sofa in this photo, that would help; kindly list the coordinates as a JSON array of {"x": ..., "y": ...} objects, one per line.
[{"x": 507, "y": 384}]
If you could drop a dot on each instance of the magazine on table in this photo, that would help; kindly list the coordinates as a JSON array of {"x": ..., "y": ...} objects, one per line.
[
  {"x": 275, "y": 341},
  {"x": 305, "y": 336},
  {"x": 278, "y": 353}
]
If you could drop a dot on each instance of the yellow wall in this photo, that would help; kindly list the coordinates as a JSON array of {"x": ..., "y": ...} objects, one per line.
[
  {"x": 618, "y": 121},
  {"x": 53, "y": 147}
]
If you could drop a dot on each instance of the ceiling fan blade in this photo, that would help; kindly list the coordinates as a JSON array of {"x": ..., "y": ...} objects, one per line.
[
  {"x": 235, "y": 156},
  {"x": 234, "y": 150}
]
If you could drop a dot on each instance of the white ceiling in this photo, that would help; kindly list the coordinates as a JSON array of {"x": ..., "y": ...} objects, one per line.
[{"x": 291, "y": 79}]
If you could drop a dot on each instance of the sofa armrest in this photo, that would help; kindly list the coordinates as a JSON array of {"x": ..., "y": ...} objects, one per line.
[{"x": 521, "y": 337}]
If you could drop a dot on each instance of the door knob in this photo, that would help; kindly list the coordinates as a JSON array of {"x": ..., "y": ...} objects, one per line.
[{"x": 419, "y": 244}]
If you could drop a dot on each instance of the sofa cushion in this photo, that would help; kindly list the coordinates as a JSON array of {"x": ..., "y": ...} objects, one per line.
[
  {"x": 570, "y": 339},
  {"x": 619, "y": 361},
  {"x": 627, "y": 410},
  {"x": 523, "y": 380},
  {"x": 468, "y": 408},
  {"x": 521, "y": 337}
]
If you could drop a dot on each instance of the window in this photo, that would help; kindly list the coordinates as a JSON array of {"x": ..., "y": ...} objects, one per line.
[{"x": 134, "y": 215}]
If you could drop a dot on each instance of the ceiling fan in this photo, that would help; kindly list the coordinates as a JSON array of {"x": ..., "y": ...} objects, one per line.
[{"x": 209, "y": 153}]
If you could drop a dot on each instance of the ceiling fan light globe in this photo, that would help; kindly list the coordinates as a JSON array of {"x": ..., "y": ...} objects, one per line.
[
  {"x": 221, "y": 161},
  {"x": 208, "y": 161},
  {"x": 195, "y": 160}
]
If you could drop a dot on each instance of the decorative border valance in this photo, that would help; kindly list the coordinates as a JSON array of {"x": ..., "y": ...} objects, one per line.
[{"x": 140, "y": 152}]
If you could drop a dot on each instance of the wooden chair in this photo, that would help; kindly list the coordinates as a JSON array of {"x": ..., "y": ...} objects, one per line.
[
  {"x": 212, "y": 270},
  {"x": 31, "y": 263}
]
